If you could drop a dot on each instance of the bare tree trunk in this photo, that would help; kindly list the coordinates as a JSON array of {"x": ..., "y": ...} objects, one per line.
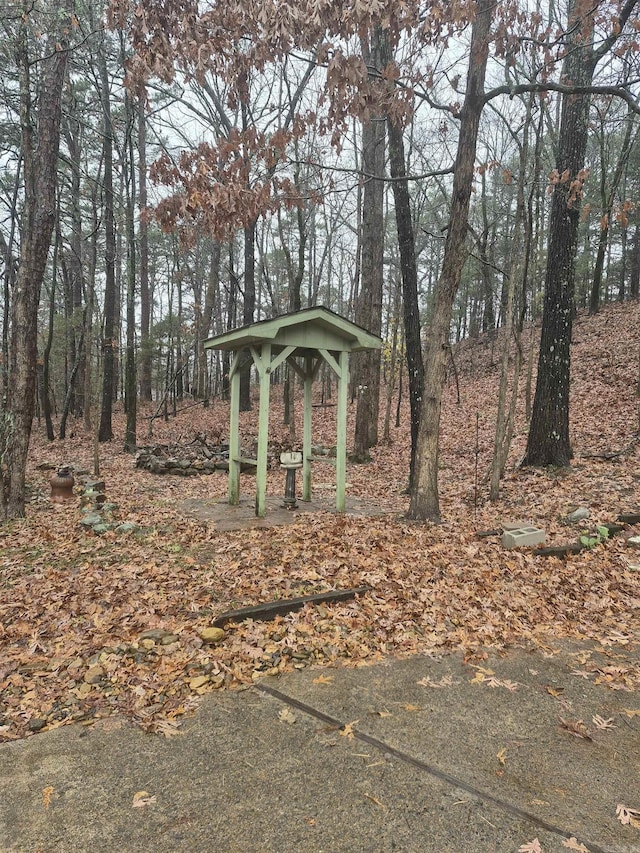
[
  {"x": 145, "y": 295},
  {"x": 130, "y": 384},
  {"x": 40, "y": 139},
  {"x": 46, "y": 355},
  {"x": 607, "y": 199},
  {"x": 105, "y": 432},
  {"x": 369, "y": 303},
  {"x": 249, "y": 307},
  {"x": 634, "y": 273},
  {"x": 391, "y": 379},
  {"x": 518, "y": 272},
  {"x": 548, "y": 441},
  {"x": 409, "y": 270},
  {"x": 10, "y": 271},
  {"x": 425, "y": 502}
]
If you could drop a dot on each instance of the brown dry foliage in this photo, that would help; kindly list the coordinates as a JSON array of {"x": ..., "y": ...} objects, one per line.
[{"x": 70, "y": 599}]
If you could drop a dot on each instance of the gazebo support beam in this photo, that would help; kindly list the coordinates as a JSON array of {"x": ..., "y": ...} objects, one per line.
[
  {"x": 341, "y": 368},
  {"x": 234, "y": 431},
  {"x": 341, "y": 428},
  {"x": 306, "y": 429},
  {"x": 263, "y": 363}
]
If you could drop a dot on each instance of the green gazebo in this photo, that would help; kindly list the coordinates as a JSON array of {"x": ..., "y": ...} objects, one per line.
[{"x": 303, "y": 339}]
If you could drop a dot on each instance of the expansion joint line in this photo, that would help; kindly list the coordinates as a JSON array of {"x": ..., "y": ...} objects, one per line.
[{"x": 503, "y": 805}]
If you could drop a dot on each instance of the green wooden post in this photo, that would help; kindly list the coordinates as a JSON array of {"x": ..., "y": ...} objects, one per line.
[
  {"x": 234, "y": 432},
  {"x": 306, "y": 429},
  {"x": 263, "y": 363},
  {"x": 341, "y": 438}
]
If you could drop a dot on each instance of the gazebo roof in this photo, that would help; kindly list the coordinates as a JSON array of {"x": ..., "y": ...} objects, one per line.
[{"x": 310, "y": 329}]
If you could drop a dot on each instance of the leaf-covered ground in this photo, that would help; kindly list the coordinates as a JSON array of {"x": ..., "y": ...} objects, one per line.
[{"x": 74, "y": 606}]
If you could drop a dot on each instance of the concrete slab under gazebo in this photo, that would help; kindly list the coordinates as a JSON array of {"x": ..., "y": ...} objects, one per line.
[{"x": 304, "y": 339}]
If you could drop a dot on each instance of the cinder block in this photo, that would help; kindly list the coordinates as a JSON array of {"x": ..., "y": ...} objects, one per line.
[
  {"x": 524, "y": 537},
  {"x": 518, "y": 524}
]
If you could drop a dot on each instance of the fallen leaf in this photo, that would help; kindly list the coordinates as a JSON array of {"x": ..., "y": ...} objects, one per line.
[
  {"x": 445, "y": 681},
  {"x": 631, "y": 712},
  {"x": 627, "y": 816},
  {"x": 600, "y": 723},
  {"x": 554, "y": 691},
  {"x": 576, "y": 728},
  {"x": 573, "y": 844},
  {"x": 323, "y": 679},
  {"x": 482, "y": 669},
  {"x": 46, "y": 797},
  {"x": 384, "y": 714},
  {"x": 508, "y": 685},
  {"x": 141, "y": 799},
  {"x": 286, "y": 716},
  {"x": 410, "y": 707},
  {"x": 347, "y": 729},
  {"x": 530, "y": 847},
  {"x": 502, "y": 756},
  {"x": 168, "y": 728}
]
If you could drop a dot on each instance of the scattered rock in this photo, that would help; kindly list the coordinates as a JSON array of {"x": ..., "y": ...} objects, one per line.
[
  {"x": 36, "y": 724},
  {"x": 212, "y": 635},
  {"x": 633, "y": 542},
  {"x": 579, "y": 514},
  {"x": 94, "y": 674},
  {"x": 198, "y": 681},
  {"x": 127, "y": 527},
  {"x": 155, "y": 634}
]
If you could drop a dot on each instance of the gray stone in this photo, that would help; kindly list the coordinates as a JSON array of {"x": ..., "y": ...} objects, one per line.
[
  {"x": 127, "y": 527},
  {"x": 633, "y": 542},
  {"x": 101, "y": 528},
  {"x": 90, "y": 519},
  {"x": 156, "y": 634},
  {"x": 579, "y": 514}
]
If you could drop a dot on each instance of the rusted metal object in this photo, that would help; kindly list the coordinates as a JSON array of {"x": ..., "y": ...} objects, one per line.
[{"x": 62, "y": 484}]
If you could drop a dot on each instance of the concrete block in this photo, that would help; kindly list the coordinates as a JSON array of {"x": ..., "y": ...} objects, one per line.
[
  {"x": 518, "y": 524},
  {"x": 524, "y": 537}
]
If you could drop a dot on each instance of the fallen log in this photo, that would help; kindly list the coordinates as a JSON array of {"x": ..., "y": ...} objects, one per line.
[
  {"x": 270, "y": 609},
  {"x": 560, "y": 550},
  {"x": 629, "y": 517}
]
